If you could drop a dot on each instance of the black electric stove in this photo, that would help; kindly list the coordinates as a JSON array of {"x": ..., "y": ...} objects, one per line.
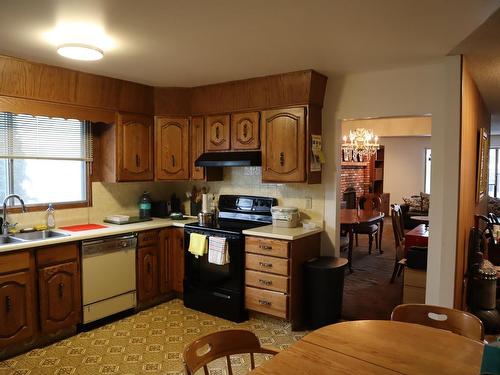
[{"x": 219, "y": 290}]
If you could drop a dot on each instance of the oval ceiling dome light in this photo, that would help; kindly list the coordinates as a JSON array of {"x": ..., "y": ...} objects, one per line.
[{"x": 77, "y": 51}]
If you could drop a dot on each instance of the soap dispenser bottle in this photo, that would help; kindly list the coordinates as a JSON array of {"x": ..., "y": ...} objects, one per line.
[{"x": 50, "y": 217}]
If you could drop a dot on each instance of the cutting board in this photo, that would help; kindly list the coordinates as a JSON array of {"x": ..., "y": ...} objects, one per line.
[
  {"x": 82, "y": 227},
  {"x": 133, "y": 219}
]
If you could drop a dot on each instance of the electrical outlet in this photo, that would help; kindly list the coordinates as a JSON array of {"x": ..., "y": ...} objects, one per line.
[{"x": 308, "y": 203}]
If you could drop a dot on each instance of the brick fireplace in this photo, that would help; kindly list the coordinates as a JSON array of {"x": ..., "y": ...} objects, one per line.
[{"x": 356, "y": 175}]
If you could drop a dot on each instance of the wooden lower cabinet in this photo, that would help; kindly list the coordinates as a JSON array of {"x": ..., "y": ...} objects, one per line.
[
  {"x": 172, "y": 260},
  {"x": 274, "y": 276},
  {"x": 59, "y": 287},
  {"x": 17, "y": 308},
  {"x": 60, "y": 300},
  {"x": 147, "y": 273}
]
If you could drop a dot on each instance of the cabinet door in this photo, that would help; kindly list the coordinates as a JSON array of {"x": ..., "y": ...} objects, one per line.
[
  {"x": 172, "y": 148},
  {"x": 134, "y": 147},
  {"x": 284, "y": 145},
  {"x": 147, "y": 269},
  {"x": 217, "y": 133},
  {"x": 245, "y": 131},
  {"x": 166, "y": 242},
  {"x": 197, "y": 146},
  {"x": 60, "y": 297},
  {"x": 17, "y": 310},
  {"x": 176, "y": 260}
]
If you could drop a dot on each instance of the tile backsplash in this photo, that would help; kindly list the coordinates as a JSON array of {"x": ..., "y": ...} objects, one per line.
[{"x": 122, "y": 198}]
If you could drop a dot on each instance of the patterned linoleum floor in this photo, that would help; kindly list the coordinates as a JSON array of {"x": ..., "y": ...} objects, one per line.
[{"x": 150, "y": 342}]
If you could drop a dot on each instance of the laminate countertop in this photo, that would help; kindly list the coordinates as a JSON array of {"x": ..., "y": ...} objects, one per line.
[
  {"x": 110, "y": 230},
  {"x": 289, "y": 234}
]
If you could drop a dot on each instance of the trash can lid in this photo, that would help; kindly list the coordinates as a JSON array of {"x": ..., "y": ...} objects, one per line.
[{"x": 326, "y": 262}]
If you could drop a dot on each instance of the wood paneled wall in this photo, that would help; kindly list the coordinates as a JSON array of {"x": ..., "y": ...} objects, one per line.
[
  {"x": 474, "y": 116},
  {"x": 29, "y": 80},
  {"x": 282, "y": 90}
]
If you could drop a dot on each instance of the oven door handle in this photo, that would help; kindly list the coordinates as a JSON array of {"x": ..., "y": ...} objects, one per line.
[{"x": 225, "y": 296}]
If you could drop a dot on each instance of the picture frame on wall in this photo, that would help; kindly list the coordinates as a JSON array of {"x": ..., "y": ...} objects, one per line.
[{"x": 482, "y": 164}]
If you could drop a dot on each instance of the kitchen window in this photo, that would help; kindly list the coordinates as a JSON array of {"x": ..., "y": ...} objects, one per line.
[{"x": 44, "y": 159}]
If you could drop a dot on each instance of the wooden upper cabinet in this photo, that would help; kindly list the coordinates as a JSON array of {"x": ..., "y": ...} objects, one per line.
[
  {"x": 134, "y": 147},
  {"x": 284, "y": 145},
  {"x": 217, "y": 130},
  {"x": 197, "y": 146},
  {"x": 245, "y": 131},
  {"x": 60, "y": 296},
  {"x": 172, "y": 148}
]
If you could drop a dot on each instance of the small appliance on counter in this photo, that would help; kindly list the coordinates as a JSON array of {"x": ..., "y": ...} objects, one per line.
[
  {"x": 161, "y": 209},
  {"x": 206, "y": 216},
  {"x": 285, "y": 217}
]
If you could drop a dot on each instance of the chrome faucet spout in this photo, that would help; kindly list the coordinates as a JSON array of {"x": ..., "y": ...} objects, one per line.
[{"x": 5, "y": 224}]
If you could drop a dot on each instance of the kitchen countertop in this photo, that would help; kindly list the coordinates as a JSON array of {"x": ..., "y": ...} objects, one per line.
[
  {"x": 279, "y": 233},
  {"x": 110, "y": 230}
]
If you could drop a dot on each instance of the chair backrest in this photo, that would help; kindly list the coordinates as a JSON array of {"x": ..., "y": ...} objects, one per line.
[
  {"x": 349, "y": 197},
  {"x": 370, "y": 202},
  {"x": 222, "y": 344},
  {"x": 396, "y": 217},
  {"x": 456, "y": 321}
]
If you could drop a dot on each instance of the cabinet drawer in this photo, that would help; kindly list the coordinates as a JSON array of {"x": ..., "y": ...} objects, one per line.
[
  {"x": 56, "y": 254},
  {"x": 266, "y": 281},
  {"x": 14, "y": 262},
  {"x": 148, "y": 238},
  {"x": 267, "y": 264},
  {"x": 266, "y": 301},
  {"x": 267, "y": 246}
]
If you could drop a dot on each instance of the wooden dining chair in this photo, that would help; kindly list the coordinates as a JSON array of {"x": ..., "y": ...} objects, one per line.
[
  {"x": 216, "y": 345},
  {"x": 457, "y": 321},
  {"x": 369, "y": 202},
  {"x": 399, "y": 241}
]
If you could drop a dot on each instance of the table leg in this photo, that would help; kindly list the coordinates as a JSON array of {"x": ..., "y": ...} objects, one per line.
[
  {"x": 381, "y": 232},
  {"x": 351, "y": 245}
]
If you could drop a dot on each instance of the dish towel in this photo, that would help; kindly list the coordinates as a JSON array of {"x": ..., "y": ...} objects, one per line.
[
  {"x": 197, "y": 244},
  {"x": 217, "y": 251}
]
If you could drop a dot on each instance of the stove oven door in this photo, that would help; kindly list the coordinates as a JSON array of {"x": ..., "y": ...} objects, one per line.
[{"x": 215, "y": 289}]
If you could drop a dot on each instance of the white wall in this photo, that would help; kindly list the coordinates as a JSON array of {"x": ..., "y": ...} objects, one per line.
[
  {"x": 404, "y": 166},
  {"x": 495, "y": 141},
  {"x": 425, "y": 89}
]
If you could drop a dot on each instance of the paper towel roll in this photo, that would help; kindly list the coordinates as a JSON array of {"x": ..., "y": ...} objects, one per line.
[{"x": 204, "y": 203}]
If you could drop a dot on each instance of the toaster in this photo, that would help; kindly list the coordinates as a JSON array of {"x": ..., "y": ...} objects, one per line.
[{"x": 285, "y": 217}]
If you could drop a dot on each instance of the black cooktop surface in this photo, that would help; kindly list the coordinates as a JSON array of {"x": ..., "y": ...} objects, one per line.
[{"x": 234, "y": 226}]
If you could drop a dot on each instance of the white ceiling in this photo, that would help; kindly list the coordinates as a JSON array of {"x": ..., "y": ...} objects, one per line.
[{"x": 194, "y": 42}]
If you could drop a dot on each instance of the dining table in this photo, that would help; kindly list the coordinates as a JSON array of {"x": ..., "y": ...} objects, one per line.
[
  {"x": 377, "y": 347},
  {"x": 349, "y": 218}
]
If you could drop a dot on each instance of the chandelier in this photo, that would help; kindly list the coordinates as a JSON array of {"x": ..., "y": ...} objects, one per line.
[{"x": 361, "y": 144}]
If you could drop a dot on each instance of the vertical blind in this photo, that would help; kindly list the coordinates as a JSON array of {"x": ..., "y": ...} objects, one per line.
[{"x": 37, "y": 137}]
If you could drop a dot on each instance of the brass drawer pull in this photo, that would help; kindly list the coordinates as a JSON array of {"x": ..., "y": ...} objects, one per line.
[
  {"x": 265, "y": 264},
  {"x": 265, "y": 303},
  {"x": 266, "y": 247},
  {"x": 265, "y": 282}
]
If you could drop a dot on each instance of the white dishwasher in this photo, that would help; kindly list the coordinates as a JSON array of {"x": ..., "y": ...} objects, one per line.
[{"x": 108, "y": 276}]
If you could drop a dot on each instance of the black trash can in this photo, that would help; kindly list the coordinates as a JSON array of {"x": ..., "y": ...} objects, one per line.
[{"x": 324, "y": 278}]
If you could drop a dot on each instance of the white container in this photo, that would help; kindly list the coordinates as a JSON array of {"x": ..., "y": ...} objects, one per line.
[{"x": 285, "y": 217}]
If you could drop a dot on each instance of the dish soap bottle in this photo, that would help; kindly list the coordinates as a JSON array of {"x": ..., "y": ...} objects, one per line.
[
  {"x": 145, "y": 206},
  {"x": 50, "y": 216}
]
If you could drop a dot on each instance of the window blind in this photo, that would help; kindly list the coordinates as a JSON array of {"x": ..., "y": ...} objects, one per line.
[{"x": 37, "y": 137}]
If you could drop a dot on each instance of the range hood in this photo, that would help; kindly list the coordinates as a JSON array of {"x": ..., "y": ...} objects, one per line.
[{"x": 229, "y": 159}]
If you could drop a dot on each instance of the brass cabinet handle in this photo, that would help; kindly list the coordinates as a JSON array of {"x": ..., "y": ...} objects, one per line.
[
  {"x": 264, "y": 302},
  {"x": 265, "y": 247},
  {"x": 173, "y": 160},
  {"x": 217, "y": 132},
  {"x": 137, "y": 160},
  {"x": 282, "y": 158},
  {"x": 149, "y": 267},
  {"x": 265, "y": 282},
  {"x": 8, "y": 304},
  {"x": 265, "y": 264},
  {"x": 61, "y": 290},
  {"x": 245, "y": 130}
]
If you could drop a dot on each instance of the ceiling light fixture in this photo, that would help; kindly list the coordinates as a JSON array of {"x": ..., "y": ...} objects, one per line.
[
  {"x": 77, "y": 51},
  {"x": 361, "y": 144}
]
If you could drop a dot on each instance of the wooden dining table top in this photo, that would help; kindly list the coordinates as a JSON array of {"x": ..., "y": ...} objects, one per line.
[
  {"x": 377, "y": 347},
  {"x": 355, "y": 216}
]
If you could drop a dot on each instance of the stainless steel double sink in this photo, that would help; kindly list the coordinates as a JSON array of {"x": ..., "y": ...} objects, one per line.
[{"x": 30, "y": 236}]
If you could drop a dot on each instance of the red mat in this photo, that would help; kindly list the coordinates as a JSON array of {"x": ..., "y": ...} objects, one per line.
[{"x": 78, "y": 228}]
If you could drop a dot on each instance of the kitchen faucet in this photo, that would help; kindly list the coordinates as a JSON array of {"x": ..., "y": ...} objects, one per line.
[{"x": 5, "y": 224}]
